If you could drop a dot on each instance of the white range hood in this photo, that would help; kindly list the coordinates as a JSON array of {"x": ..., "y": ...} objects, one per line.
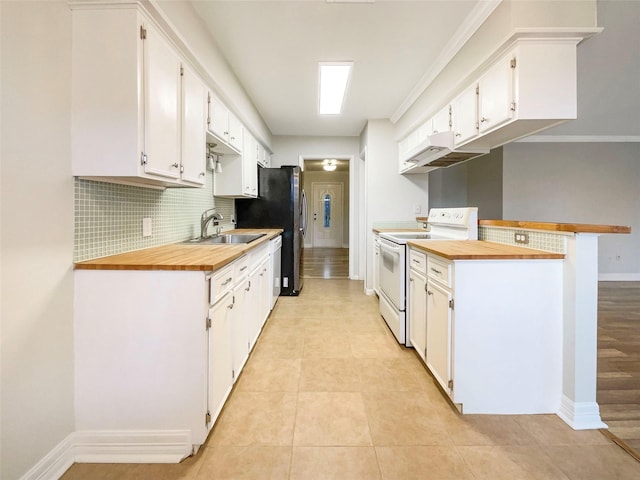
[{"x": 438, "y": 151}]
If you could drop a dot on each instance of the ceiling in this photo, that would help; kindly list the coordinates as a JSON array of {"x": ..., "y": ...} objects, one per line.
[{"x": 274, "y": 48}]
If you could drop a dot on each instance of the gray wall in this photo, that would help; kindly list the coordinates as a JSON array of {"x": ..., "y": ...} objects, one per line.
[
  {"x": 581, "y": 183},
  {"x": 477, "y": 183},
  {"x": 37, "y": 233}
]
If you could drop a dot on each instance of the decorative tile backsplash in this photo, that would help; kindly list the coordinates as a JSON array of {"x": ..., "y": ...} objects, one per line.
[
  {"x": 108, "y": 217},
  {"x": 550, "y": 242}
]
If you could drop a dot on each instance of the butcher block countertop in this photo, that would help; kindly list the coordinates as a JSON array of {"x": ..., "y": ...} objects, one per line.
[
  {"x": 179, "y": 256},
  {"x": 480, "y": 250},
  {"x": 557, "y": 227}
]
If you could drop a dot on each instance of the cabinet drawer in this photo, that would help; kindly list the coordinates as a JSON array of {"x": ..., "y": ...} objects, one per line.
[
  {"x": 257, "y": 256},
  {"x": 439, "y": 269},
  {"x": 221, "y": 283},
  {"x": 418, "y": 261},
  {"x": 240, "y": 269}
]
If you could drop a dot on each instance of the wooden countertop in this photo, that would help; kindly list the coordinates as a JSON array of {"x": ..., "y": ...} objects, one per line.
[
  {"x": 480, "y": 250},
  {"x": 557, "y": 227},
  {"x": 179, "y": 256}
]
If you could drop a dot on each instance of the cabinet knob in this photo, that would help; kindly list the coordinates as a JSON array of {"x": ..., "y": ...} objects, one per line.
[
  {"x": 458, "y": 134},
  {"x": 429, "y": 292},
  {"x": 201, "y": 174},
  {"x": 175, "y": 165},
  {"x": 484, "y": 120}
]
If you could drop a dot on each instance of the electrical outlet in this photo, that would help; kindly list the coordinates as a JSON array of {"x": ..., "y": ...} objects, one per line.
[
  {"x": 521, "y": 237},
  {"x": 146, "y": 227},
  {"x": 417, "y": 208}
]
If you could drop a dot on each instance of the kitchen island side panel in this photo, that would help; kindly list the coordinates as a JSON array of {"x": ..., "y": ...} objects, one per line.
[{"x": 507, "y": 352}]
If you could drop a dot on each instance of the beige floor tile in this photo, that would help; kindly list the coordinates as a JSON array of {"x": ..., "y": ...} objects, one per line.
[
  {"x": 329, "y": 375},
  {"x": 391, "y": 374},
  {"x": 370, "y": 345},
  {"x": 331, "y": 419},
  {"x": 246, "y": 463},
  {"x": 403, "y": 418},
  {"x": 102, "y": 471},
  {"x": 326, "y": 346},
  {"x": 339, "y": 463},
  {"x": 551, "y": 430},
  {"x": 510, "y": 463},
  {"x": 270, "y": 375},
  {"x": 488, "y": 430},
  {"x": 594, "y": 462},
  {"x": 289, "y": 346},
  {"x": 422, "y": 463},
  {"x": 250, "y": 418}
]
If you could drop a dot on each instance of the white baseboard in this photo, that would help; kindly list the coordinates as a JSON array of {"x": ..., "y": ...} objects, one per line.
[
  {"x": 369, "y": 291},
  {"x": 580, "y": 416},
  {"x": 155, "y": 446},
  {"x": 53, "y": 464},
  {"x": 619, "y": 277}
]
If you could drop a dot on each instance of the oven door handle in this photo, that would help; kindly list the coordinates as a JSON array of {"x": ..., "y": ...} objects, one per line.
[{"x": 390, "y": 247}]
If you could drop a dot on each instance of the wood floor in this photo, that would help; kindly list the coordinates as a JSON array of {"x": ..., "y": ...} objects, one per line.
[
  {"x": 619, "y": 360},
  {"x": 325, "y": 262}
]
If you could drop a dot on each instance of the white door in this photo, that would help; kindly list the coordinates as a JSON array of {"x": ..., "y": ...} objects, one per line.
[{"x": 327, "y": 214}]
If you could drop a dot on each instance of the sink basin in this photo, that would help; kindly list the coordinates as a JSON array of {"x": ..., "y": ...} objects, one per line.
[{"x": 231, "y": 238}]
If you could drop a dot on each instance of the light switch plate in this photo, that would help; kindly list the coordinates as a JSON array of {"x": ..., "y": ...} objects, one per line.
[{"x": 146, "y": 227}]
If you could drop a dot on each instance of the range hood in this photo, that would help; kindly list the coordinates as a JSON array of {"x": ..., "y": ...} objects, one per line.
[{"x": 438, "y": 151}]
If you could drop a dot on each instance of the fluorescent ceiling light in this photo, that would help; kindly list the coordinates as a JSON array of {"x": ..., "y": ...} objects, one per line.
[{"x": 334, "y": 78}]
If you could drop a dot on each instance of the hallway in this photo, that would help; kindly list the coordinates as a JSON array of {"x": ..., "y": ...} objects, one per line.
[{"x": 329, "y": 393}]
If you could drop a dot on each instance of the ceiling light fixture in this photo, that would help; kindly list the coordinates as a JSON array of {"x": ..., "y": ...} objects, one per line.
[
  {"x": 334, "y": 78},
  {"x": 329, "y": 164}
]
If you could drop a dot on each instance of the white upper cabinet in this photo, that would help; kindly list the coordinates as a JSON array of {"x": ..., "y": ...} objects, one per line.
[
  {"x": 239, "y": 176},
  {"x": 464, "y": 115},
  {"x": 224, "y": 126},
  {"x": 193, "y": 133},
  {"x": 441, "y": 122},
  {"x": 496, "y": 103},
  {"x": 127, "y": 102}
]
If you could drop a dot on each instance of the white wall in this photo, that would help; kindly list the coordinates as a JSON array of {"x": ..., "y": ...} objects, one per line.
[
  {"x": 37, "y": 233},
  {"x": 593, "y": 183},
  {"x": 389, "y": 196}
]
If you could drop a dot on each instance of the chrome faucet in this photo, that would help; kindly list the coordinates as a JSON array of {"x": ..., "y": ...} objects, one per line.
[{"x": 206, "y": 218}]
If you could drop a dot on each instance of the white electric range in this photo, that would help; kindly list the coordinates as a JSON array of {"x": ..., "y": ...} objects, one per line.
[{"x": 443, "y": 224}]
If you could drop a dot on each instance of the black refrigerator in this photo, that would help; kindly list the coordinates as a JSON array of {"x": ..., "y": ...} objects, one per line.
[{"x": 281, "y": 203}]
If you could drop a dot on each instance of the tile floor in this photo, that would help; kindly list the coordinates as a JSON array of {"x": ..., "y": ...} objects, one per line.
[{"x": 328, "y": 393}]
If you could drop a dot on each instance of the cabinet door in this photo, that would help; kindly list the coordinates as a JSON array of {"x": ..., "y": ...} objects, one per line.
[
  {"x": 253, "y": 306},
  {"x": 439, "y": 333},
  {"x": 218, "y": 121},
  {"x": 240, "y": 327},
  {"x": 161, "y": 101},
  {"x": 418, "y": 313},
  {"x": 464, "y": 114},
  {"x": 193, "y": 129},
  {"x": 496, "y": 95},
  {"x": 235, "y": 132},
  {"x": 266, "y": 281},
  {"x": 441, "y": 122},
  {"x": 220, "y": 355},
  {"x": 249, "y": 166}
]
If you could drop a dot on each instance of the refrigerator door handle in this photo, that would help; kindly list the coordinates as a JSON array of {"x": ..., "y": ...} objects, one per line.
[{"x": 304, "y": 213}]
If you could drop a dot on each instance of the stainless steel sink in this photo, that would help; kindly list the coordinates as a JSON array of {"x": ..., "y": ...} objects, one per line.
[{"x": 230, "y": 238}]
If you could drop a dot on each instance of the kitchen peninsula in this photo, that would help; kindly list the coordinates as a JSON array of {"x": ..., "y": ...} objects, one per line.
[{"x": 563, "y": 351}]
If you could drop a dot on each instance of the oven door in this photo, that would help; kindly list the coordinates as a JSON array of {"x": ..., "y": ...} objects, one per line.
[{"x": 392, "y": 272}]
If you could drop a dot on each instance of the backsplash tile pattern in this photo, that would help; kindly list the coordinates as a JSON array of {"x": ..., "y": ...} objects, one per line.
[
  {"x": 550, "y": 242},
  {"x": 108, "y": 217}
]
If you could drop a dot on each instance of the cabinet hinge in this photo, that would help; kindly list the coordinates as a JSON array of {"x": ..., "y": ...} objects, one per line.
[
  {"x": 513, "y": 106},
  {"x": 451, "y": 303},
  {"x": 477, "y": 89},
  {"x": 143, "y": 33},
  {"x": 513, "y": 62},
  {"x": 208, "y": 109},
  {"x": 208, "y": 323},
  {"x": 181, "y": 71},
  {"x": 425, "y": 288},
  {"x": 233, "y": 374},
  {"x": 181, "y": 168},
  {"x": 450, "y": 116},
  {"x": 143, "y": 158},
  {"x": 207, "y": 418},
  {"x": 450, "y": 384}
]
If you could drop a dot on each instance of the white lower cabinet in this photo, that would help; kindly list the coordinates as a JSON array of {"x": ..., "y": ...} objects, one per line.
[
  {"x": 157, "y": 353},
  {"x": 491, "y": 331}
]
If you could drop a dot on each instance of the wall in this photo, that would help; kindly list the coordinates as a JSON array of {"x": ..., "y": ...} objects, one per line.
[
  {"x": 390, "y": 197},
  {"x": 37, "y": 233},
  {"x": 580, "y": 183},
  {"x": 332, "y": 177},
  {"x": 108, "y": 217},
  {"x": 477, "y": 182}
]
